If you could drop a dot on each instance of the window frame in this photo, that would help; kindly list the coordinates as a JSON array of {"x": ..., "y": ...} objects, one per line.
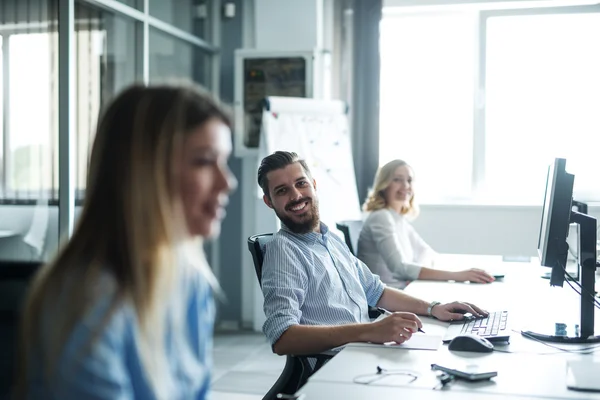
[{"x": 437, "y": 12}]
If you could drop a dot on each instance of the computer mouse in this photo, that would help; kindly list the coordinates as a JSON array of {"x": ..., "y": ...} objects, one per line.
[{"x": 470, "y": 342}]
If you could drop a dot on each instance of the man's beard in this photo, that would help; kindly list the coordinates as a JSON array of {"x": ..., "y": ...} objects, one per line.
[{"x": 309, "y": 221}]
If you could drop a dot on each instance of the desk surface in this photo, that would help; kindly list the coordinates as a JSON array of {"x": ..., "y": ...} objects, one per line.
[
  {"x": 531, "y": 370},
  {"x": 326, "y": 390}
]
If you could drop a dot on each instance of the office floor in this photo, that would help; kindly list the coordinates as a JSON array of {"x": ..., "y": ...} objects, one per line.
[{"x": 245, "y": 368}]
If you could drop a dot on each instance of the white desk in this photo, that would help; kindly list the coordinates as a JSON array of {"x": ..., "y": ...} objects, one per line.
[
  {"x": 326, "y": 390},
  {"x": 533, "y": 370}
]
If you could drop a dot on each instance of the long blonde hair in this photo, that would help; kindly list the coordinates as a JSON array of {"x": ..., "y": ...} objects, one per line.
[
  {"x": 128, "y": 229},
  {"x": 383, "y": 178}
]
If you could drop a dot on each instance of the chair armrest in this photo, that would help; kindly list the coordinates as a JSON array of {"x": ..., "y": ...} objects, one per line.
[
  {"x": 326, "y": 355},
  {"x": 320, "y": 360}
]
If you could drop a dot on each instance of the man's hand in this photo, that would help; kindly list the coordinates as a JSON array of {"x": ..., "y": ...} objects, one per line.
[
  {"x": 397, "y": 327},
  {"x": 473, "y": 275},
  {"x": 456, "y": 310}
]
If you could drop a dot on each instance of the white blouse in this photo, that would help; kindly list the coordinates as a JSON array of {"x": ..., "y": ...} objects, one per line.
[{"x": 392, "y": 248}]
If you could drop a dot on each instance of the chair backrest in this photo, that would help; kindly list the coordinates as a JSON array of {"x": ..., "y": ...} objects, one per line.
[
  {"x": 351, "y": 231},
  {"x": 256, "y": 245}
]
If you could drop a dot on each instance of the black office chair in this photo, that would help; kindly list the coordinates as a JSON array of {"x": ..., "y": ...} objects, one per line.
[
  {"x": 351, "y": 231},
  {"x": 14, "y": 280},
  {"x": 297, "y": 369}
]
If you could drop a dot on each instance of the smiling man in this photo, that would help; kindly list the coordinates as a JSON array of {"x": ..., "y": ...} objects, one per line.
[{"x": 316, "y": 292}]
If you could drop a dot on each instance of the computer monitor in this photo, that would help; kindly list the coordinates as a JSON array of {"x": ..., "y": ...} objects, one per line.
[
  {"x": 573, "y": 245},
  {"x": 557, "y": 214}
]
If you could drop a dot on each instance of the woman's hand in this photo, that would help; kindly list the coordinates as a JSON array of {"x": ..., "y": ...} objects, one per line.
[{"x": 473, "y": 275}]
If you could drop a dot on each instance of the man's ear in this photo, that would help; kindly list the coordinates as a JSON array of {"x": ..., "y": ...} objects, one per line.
[
  {"x": 267, "y": 201},
  {"x": 314, "y": 183}
]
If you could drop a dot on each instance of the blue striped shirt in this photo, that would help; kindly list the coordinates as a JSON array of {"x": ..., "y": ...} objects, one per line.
[{"x": 313, "y": 279}]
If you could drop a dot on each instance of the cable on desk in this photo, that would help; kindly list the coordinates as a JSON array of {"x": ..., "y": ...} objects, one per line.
[
  {"x": 367, "y": 379},
  {"x": 593, "y": 296}
]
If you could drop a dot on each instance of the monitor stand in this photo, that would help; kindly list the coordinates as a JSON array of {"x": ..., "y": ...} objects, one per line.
[{"x": 560, "y": 332}]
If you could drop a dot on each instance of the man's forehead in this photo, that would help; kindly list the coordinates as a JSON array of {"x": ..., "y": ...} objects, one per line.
[{"x": 289, "y": 173}]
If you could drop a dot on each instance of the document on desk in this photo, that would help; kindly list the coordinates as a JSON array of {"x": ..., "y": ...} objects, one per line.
[{"x": 418, "y": 341}]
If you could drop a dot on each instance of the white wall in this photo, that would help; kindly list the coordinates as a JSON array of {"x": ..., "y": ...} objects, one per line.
[
  {"x": 499, "y": 230},
  {"x": 288, "y": 24}
]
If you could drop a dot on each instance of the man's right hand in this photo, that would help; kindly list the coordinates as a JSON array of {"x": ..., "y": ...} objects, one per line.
[{"x": 397, "y": 327}]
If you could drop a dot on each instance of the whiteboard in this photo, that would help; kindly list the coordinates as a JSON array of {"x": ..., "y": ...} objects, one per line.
[{"x": 317, "y": 130}]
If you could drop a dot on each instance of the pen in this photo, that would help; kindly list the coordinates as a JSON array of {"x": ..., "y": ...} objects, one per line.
[{"x": 386, "y": 312}]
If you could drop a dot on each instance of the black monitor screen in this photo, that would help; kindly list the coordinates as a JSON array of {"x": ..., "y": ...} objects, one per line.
[{"x": 556, "y": 216}]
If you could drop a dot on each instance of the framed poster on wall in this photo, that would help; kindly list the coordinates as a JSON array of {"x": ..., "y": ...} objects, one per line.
[{"x": 259, "y": 74}]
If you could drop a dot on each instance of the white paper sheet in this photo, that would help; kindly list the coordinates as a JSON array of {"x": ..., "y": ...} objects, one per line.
[{"x": 418, "y": 341}]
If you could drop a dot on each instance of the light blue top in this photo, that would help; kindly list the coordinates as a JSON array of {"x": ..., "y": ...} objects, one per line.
[
  {"x": 313, "y": 279},
  {"x": 113, "y": 369}
]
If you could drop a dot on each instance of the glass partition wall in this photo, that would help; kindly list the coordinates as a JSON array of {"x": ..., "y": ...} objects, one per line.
[{"x": 60, "y": 62}]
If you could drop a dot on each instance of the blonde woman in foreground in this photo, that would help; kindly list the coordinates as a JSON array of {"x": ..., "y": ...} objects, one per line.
[
  {"x": 126, "y": 309},
  {"x": 389, "y": 244}
]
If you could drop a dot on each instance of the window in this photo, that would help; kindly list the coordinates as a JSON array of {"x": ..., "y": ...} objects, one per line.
[
  {"x": 490, "y": 137},
  {"x": 31, "y": 78},
  {"x": 138, "y": 4},
  {"x": 543, "y": 97},
  {"x": 187, "y": 15},
  {"x": 105, "y": 61},
  {"x": 108, "y": 55},
  {"x": 426, "y": 109},
  {"x": 171, "y": 58}
]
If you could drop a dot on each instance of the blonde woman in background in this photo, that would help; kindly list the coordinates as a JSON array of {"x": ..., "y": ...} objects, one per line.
[
  {"x": 126, "y": 309},
  {"x": 389, "y": 244}
]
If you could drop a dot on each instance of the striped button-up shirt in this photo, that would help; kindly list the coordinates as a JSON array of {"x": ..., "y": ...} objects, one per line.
[{"x": 313, "y": 279}]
